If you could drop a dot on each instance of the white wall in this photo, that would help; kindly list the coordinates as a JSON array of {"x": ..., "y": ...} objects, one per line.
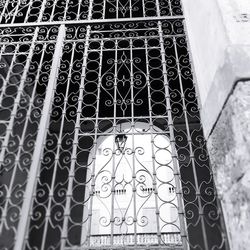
[
  {"x": 219, "y": 35},
  {"x": 207, "y": 39}
]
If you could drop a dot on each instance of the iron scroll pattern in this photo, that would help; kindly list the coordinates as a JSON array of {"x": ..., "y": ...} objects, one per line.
[
  {"x": 110, "y": 76},
  {"x": 25, "y": 59},
  {"x": 30, "y": 11}
]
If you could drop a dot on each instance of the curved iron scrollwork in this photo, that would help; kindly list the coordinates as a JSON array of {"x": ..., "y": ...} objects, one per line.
[
  {"x": 24, "y": 75},
  {"x": 30, "y": 11},
  {"x": 111, "y": 75},
  {"x": 130, "y": 80},
  {"x": 135, "y": 183}
]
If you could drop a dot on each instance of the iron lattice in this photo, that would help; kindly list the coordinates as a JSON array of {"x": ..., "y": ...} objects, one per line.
[{"x": 84, "y": 78}]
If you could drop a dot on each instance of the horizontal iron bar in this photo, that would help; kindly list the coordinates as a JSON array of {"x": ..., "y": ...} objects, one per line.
[
  {"x": 138, "y": 234},
  {"x": 127, "y": 133},
  {"x": 95, "y": 21},
  {"x": 144, "y": 247},
  {"x": 124, "y": 118},
  {"x": 124, "y": 39}
]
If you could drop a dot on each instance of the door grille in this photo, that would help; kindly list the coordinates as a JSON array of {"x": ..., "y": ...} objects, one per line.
[{"x": 102, "y": 144}]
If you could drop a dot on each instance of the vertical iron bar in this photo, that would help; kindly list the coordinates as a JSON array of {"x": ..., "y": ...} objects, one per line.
[
  {"x": 133, "y": 139},
  {"x": 189, "y": 140},
  {"x": 181, "y": 212},
  {"x": 143, "y": 8},
  {"x": 170, "y": 7},
  {"x": 40, "y": 17},
  {"x": 6, "y": 80},
  {"x": 2, "y": 50},
  {"x": 2, "y": 89},
  {"x": 52, "y": 11},
  {"x": 197, "y": 95},
  {"x": 4, "y": 9},
  {"x": 16, "y": 11},
  {"x": 65, "y": 10},
  {"x": 59, "y": 144},
  {"x": 78, "y": 9},
  {"x": 75, "y": 144},
  {"x": 93, "y": 179},
  {"x": 104, "y": 9},
  {"x": 31, "y": 182},
  {"x": 90, "y": 9},
  {"x": 28, "y": 11},
  {"x": 20, "y": 147},
  {"x": 157, "y": 8},
  {"x": 157, "y": 212},
  {"x": 130, "y": 9},
  {"x": 117, "y": 9},
  {"x": 114, "y": 148},
  {"x": 11, "y": 122}
]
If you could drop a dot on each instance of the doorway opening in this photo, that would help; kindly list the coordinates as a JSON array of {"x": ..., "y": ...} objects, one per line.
[{"x": 133, "y": 189}]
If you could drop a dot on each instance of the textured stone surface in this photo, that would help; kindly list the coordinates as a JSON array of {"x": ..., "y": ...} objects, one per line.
[
  {"x": 219, "y": 36},
  {"x": 235, "y": 66},
  {"x": 229, "y": 146}
]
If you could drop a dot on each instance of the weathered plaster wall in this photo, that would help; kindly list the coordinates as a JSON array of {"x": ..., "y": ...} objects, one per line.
[
  {"x": 229, "y": 147},
  {"x": 208, "y": 40},
  {"x": 219, "y": 34}
]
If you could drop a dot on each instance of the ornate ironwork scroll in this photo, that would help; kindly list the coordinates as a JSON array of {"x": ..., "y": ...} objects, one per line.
[
  {"x": 25, "y": 66},
  {"x": 29, "y": 11},
  {"x": 122, "y": 72},
  {"x": 132, "y": 78}
]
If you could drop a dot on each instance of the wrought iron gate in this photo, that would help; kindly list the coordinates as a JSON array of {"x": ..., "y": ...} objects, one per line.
[{"x": 102, "y": 145}]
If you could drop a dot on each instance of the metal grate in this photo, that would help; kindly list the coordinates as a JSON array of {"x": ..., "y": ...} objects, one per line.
[
  {"x": 101, "y": 141},
  {"x": 28, "y": 11},
  {"x": 24, "y": 75},
  {"x": 112, "y": 79}
]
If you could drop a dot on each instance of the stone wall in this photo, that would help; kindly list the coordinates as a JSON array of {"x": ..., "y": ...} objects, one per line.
[
  {"x": 229, "y": 146},
  {"x": 219, "y": 35}
]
